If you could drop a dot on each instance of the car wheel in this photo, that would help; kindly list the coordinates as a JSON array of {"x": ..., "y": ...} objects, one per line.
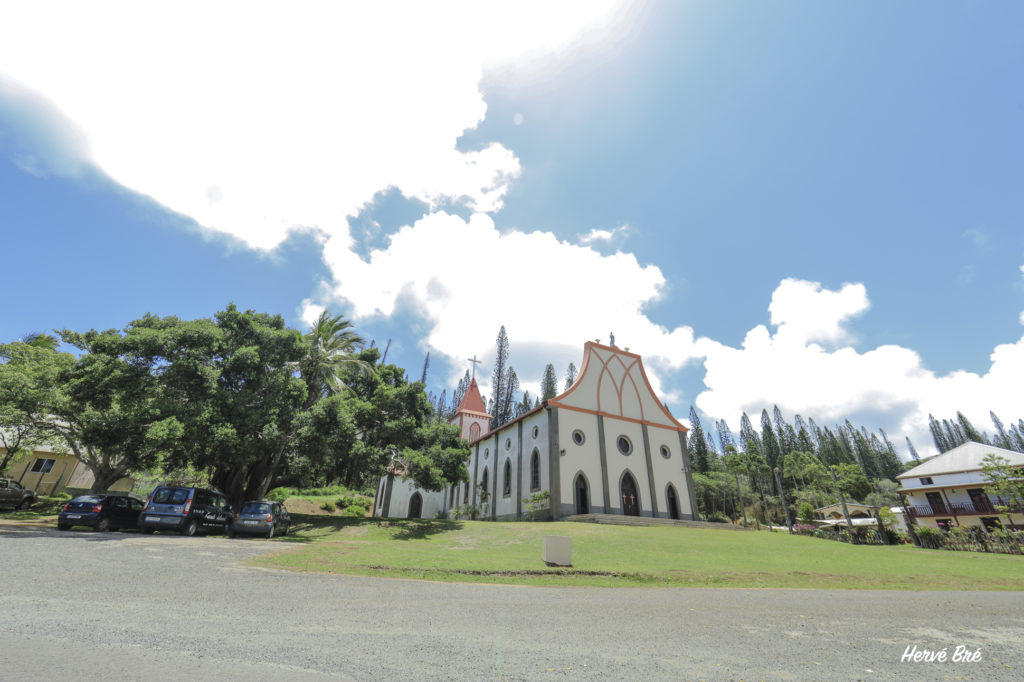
[
  {"x": 270, "y": 531},
  {"x": 25, "y": 504},
  {"x": 103, "y": 526},
  {"x": 189, "y": 529},
  {"x": 63, "y": 526},
  {"x": 146, "y": 530}
]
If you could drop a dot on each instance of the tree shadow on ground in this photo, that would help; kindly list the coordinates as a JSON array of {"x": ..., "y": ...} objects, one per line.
[
  {"x": 417, "y": 529},
  {"x": 305, "y": 527}
]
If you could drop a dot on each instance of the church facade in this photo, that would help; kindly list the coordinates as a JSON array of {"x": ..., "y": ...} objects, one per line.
[{"x": 606, "y": 445}]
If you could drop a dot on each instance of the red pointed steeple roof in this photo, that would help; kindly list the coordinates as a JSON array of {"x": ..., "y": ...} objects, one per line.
[{"x": 472, "y": 401}]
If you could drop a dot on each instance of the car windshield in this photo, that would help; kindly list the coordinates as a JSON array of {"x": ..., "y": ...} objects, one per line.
[
  {"x": 256, "y": 508},
  {"x": 170, "y": 495},
  {"x": 89, "y": 499}
]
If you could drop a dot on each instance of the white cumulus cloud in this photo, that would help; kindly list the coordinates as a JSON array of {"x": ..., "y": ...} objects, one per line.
[
  {"x": 545, "y": 291},
  {"x": 255, "y": 119},
  {"x": 789, "y": 369}
]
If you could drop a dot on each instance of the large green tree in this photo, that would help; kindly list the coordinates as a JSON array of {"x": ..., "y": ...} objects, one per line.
[
  {"x": 28, "y": 392},
  {"x": 230, "y": 383},
  {"x": 396, "y": 432}
]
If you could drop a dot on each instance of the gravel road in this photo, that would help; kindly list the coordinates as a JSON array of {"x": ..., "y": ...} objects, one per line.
[{"x": 87, "y": 606}]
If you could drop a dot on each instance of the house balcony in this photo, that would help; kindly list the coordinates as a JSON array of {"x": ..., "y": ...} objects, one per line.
[{"x": 954, "y": 509}]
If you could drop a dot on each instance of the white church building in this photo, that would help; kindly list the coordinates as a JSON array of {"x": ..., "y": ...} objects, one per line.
[{"x": 607, "y": 445}]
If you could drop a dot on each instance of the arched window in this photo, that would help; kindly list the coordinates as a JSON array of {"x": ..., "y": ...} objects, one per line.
[
  {"x": 483, "y": 486},
  {"x": 506, "y": 485},
  {"x": 535, "y": 470},
  {"x": 474, "y": 432},
  {"x": 415, "y": 506},
  {"x": 629, "y": 496},
  {"x": 451, "y": 498},
  {"x": 465, "y": 493}
]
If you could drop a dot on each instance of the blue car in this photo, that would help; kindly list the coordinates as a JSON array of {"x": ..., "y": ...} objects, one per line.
[{"x": 101, "y": 512}]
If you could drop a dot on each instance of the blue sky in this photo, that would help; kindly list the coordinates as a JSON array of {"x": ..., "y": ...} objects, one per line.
[{"x": 812, "y": 204}]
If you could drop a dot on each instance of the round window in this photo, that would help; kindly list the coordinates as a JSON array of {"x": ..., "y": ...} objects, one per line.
[
  {"x": 577, "y": 437},
  {"x": 508, "y": 443},
  {"x": 665, "y": 452},
  {"x": 536, "y": 431},
  {"x": 625, "y": 446}
]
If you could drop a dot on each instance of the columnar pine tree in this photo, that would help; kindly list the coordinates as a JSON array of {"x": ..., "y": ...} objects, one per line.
[
  {"x": 548, "y": 383},
  {"x": 1002, "y": 440},
  {"x": 784, "y": 432},
  {"x": 815, "y": 431},
  {"x": 748, "y": 436},
  {"x": 954, "y": 435},
  {"x": 499, "y": 381},
  {"x": 942, "y": 444},
  {"x": 460, "y": 391},
  {"x": 970, "y": 433},
  {"x": 426, "y": 367},
  {"x": 912, "y": 450},
  {"x": 725, "y": 438},
  {"x": 1016, "y": 438},
  {"x": 697, "y": 445},
  {"x": 570, "y": 376},
  {"x": 508, "y": 402},
  {"x": 770, "y": 444}
]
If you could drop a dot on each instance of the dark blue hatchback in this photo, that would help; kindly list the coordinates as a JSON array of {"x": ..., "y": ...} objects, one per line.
[{"x": 101, "y": 512}]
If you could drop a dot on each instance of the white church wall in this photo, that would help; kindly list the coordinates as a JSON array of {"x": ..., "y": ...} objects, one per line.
[
  {"x": 585, "y": 458},
  {"x": 535, "y": 437},
  {"x": 668, "y": 470},
  {"x": 401, "y": 494},
  {"x": 618, "y": 463},
  {"x": 507, "y": 447}
]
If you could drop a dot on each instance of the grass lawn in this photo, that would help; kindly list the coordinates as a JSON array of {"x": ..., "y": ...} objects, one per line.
[{"x": 605, "y": 555}]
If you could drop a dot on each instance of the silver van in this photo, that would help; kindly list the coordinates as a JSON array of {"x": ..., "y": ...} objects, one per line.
[{"x": 186, "y": 511}]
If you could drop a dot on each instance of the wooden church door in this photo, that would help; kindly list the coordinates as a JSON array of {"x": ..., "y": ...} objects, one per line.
[
  {"x": 415, "y": 506},
  {"x": 630, "y": 500},
  {"x": 582, "y": 499},
  {"x": 673, "y": 504}
]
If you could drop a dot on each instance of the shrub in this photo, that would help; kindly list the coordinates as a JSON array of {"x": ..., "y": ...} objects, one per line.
[
  {"x": 327, "y": 506},
  {"x": 929, "y": 537},
  {"x": 719, "y": 517},
  {"x": 354, "y": 511},
  {"x": 279, "y": 494},
  {"x": 804, "y": 529},
  {"x": 806, "y": 513}
]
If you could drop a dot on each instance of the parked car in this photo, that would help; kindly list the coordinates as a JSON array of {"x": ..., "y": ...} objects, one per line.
[
  {"x": 13, "y": 494},
  {"x": 261, "y": 518},
  {"x": 185, "y": 510},
  {"x": 101, "y": 512}
]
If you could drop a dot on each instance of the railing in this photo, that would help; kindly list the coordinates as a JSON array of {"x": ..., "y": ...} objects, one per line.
[{"x": 964, "y": 508}]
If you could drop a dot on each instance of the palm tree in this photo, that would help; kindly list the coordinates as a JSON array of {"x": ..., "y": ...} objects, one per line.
[{"x": 333, "y": 354}]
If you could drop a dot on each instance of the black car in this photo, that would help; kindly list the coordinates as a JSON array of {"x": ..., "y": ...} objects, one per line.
[
  {"x": 185, "y": 510},
  {"x": 261, "y": 518},
  {"x": 101, "y": 512}
]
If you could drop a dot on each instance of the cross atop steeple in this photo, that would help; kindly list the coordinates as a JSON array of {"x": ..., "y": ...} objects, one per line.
[{"x": 475, "y": 363}]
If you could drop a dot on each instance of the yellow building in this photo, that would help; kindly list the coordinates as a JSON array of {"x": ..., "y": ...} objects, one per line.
[{"x": 48, "y": 471}]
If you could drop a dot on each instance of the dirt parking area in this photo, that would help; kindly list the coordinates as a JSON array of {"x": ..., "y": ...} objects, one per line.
[{"x": 83, "y": 606}]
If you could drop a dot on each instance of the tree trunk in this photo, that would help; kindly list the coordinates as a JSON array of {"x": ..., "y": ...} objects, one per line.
[{"x": 105, "y": 477}]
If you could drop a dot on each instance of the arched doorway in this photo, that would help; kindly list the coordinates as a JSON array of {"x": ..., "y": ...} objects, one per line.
[
  {"x": 582, "y": 495},
  {"x": 628, "y": 495},
  {"x": 416, "y": 506},
  {"x": 673, "y": 502}
]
